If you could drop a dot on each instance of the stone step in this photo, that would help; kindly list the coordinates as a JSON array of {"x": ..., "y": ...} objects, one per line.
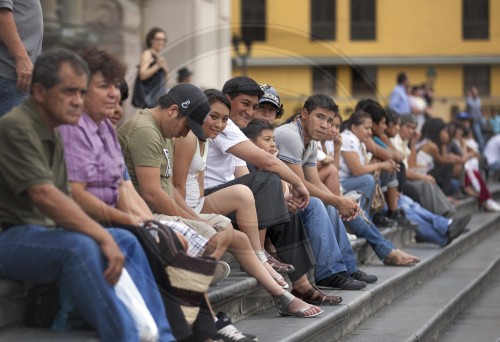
[
  {"x": 480, "y": 318},
  {"x": 358, "y": 306},
  {"x": 426, "y": 311},
  {"x": 239, "y": 295},
  {"x": 234, "y": 297}
]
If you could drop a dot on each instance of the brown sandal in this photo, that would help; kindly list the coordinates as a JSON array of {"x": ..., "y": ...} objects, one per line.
[
  {"x": 278, "y": 265},
  {"x": 314, "y": 296}
]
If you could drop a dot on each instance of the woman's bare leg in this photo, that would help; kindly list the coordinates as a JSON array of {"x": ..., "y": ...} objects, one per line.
[{"x": 242, "y": 251}]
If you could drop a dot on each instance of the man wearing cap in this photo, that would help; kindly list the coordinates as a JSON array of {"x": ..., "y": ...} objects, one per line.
[
  {"x": 270, "y": 107},
  {"x": 148, "y": 151}
]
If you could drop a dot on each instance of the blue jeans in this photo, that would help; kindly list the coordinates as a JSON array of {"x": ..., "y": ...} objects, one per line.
[
  {"x": 431, "y": 227},
  {"x": 381, "y": 246},
  {"x": 328, "y": 237},
  {"x": 10, "y": 95},
  {"x": 365, "y": 185},
  {"x": 75, "y": 261},
  {"x": 477, "y": 132},
  {"x": 342, "y": 239}
]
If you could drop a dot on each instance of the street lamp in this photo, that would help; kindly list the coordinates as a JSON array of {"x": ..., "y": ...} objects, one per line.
[{"x": 244, "y": 53}]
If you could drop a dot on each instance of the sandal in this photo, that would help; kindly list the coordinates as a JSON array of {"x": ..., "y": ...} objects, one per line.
[
  {"x": 283, "y": 301},
  {"x": 316, "y": 297},
  {"x": 396, "y": 259},
  {"x": 280, "y": 280},
  {"x": 278, "y": 265}
]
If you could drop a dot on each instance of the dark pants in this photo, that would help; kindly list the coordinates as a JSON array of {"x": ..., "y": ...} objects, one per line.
[
  {"x": 268, "y": 194},
  {"x": 443, "y": 174},
  {"x": 292, "y": 246}
]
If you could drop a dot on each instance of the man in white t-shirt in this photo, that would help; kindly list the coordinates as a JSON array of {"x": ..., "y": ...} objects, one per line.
[{"x": 226, "y": 165}]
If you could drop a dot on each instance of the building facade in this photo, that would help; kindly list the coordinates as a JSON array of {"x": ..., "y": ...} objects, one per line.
[
  {"x": 198, "y": 33},
  {"x": 352, "y": 49}
]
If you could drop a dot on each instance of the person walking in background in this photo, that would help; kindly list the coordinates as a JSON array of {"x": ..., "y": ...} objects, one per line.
[
  {"x": 473, "y": 103},
  {"x": 184, "y": 75},
  {"x": 21, "y": 33},
  {"x": 399, "y": 100},
  {"x": 153, "y": 71}
]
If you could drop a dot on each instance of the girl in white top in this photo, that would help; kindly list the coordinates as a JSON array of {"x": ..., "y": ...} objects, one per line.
[{"x": 189, "y": 163}]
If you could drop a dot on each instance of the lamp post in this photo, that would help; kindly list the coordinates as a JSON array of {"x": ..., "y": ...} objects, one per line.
[{"x": 244, "y": 53}]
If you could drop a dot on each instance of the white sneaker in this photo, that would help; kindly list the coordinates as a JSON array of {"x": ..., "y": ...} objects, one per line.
[
  {"x": 491, "y": 205},
  {"x": 351, "y": 237},
  {"x": 221, "y": 272}
]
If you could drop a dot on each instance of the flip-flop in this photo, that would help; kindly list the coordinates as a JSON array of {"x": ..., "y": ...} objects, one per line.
[
  {"x": 315, "y": 296},
  {"x": 283, "y": 301}
]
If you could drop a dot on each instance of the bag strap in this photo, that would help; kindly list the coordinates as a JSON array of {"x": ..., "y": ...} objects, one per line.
[{"x": 168, "y": 243}]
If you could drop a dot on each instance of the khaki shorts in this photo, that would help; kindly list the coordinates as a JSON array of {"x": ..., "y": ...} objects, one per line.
[{"x": 217, "y": 223}]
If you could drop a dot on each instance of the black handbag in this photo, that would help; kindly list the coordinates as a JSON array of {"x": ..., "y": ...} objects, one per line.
[{"x": 147, "y": 92}]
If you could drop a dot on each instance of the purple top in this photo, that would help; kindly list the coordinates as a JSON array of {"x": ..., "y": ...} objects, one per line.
[{"x": 94, "y": 156}]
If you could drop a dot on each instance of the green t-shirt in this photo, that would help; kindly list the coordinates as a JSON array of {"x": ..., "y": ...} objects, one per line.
[
  {"x": 30, "y": 154},
  {"x": 143, "y": 145}
]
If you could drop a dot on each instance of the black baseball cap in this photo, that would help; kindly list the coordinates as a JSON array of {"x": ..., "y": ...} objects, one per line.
[
  {"x": 193, "y": 103},
  {"x": 244, "y": 85}
]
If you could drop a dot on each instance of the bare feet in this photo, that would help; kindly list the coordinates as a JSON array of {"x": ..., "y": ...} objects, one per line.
[{"x": 396, "y": 258}]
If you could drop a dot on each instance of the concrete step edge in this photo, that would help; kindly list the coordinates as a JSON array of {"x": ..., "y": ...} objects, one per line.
[
  {"x": 344, "y": 319},
  {"x": 446, "y": 315}
]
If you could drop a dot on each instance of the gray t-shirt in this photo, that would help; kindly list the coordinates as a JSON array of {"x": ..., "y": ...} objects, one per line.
[
  {"x": 290, "y": 143},
  {"x": 29, "y": 22}
]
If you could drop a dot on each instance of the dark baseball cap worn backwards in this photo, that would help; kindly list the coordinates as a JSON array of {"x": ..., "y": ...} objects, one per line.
[{"x": 193, "y": 103}]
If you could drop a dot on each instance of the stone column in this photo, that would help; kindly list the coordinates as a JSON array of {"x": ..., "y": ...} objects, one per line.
[
  {"x": 72, "y": 13},
  {"x": 50, "y": 17}
]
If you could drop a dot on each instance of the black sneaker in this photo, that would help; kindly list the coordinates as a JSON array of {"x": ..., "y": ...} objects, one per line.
[
  {"x": 227, "y": 332},
  {"x": 457, "y": 226},
  {"x": 362, "y": 276},
  {"x": 380, "y": 220},
  {"x": 400, "y": 217},
  {"x": 340, "y": 281}
]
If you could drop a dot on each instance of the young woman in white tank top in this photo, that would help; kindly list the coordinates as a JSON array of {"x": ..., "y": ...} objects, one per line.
[{"x": 189, "y": 163}]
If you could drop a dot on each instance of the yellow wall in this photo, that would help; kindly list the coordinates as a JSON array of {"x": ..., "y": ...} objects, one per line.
[{"x": 404, "y": 28}]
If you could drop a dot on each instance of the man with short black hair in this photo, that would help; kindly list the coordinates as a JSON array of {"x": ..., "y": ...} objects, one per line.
[
  {"x": 38, "y": 218},
  {"x": 297, "y": 143},
  {"x": 399, "y": 100}
]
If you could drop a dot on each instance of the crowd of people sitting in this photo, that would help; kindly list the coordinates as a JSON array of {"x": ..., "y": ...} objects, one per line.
[{"x": 78, "y": 190}]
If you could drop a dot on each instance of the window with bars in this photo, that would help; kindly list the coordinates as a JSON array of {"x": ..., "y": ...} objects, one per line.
[
  {"x": 363, "y": 19},
  {"x": 479, "y": 76},
  {"x": 324, "y": 80},
  {"x": 253, "y": 20},
  {"x": 323, "y": 19},
  {"x": 475, "y": 19},
  {"x": 364, "y": 80}
]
